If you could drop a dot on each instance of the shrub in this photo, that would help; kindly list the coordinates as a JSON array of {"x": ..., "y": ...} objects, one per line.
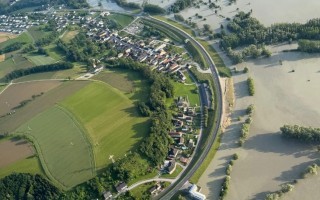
[
  {"x": 250, "y": 86},
  {"x": 235, "y": 156},
  {"x": 246, "y": 70},
  {"x": 250, "y": 109}
]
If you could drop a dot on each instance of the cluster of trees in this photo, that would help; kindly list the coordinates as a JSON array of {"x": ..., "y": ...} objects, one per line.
[
  {"x": 130, "y": 167},
  {"x": 27, "y": 186},
  {"x": 81, "y": 48},
  {"x": 285, "y": 188},
  {"x": 250, "y": 86},
  {"x": 153, "y": 9},
  {"x": 309, "y": 46},
  {"x": 155, "y": 147},
  {"x": 245, "y": 129},
  {"x": 303, "y": 134},
  {"x": 178, "y": 17},
  {"x": 125, "y": 4},
  {"x": 38, "y": 69},
  {"x": 11, "y": 47},
  {"x": 311, "y": 170},
  {"x": 252, "y": 51},
  {"x": 246, "y": 30},
  {"x": 180, "y": 5}
]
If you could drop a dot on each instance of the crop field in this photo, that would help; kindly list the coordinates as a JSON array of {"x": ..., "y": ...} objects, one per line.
[
  {"x": 28, "y": 165},
  {"x": 24, "y": 37},
  {"x": 10, "y": 123},
  {"x": 127, "y": 81},
  {"x": 69, "y": 35},
  {"x": 12, "y": 151},
  {"x": 10, "y": 64},
  {"x": 62, "y": 146},
  {"x": 6, "y": 36},
  {"x": 17, "y": 93},
  {"x": 40, "y": 59},
  {"x": 112, "y": 120}
]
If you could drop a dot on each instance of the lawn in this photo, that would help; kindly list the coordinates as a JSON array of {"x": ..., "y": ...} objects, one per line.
[
  {"x": 54, "y": 52},
  {"x": 40, "y": 59},
  {"x": 176, "y": 24},
  {"x": 122, "y": 19},
  {"x": 28, "y": 165},
  {"x": 142, "y": 191},
  {"x": 174, "y": 174},
  {"x": 24, "y": 37},
  {"x": 64, "y": 151},
  {"x": 223, "y": 70},
  {"x": 112, "y": 120}
]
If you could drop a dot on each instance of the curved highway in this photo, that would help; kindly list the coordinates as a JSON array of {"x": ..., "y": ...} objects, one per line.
[{"x": 191, "y": 169}]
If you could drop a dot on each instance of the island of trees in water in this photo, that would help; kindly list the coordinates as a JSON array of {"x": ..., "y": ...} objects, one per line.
[{"x": 248, "y": 31}]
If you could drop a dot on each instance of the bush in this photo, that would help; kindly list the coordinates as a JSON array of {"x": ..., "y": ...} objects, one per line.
[
  {"x": 229, "y": 169},
  {"x": 250, "y": 109},
  {"x": 235, "y": 156},
  {"x": 250, "y": 86},
  {"x": 246, "y": 70}
]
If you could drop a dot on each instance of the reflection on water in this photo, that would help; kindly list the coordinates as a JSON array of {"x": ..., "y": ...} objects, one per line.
[{"x": 106, "y": 4}]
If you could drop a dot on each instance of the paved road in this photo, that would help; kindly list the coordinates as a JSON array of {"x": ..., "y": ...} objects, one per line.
[{"x": 191, "y": 169}]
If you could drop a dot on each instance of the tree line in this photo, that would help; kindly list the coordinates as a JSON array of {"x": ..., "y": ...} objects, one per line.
[
  {"x": 303, "y": 134},
  {"x": 126, "y": 4},
  {"x": 180, "y": 5},
  {"x": 38, "y": 69},
  {"x": 309, "y": 46},
  {"x": 155, "y": 147},
  {"x": 11, "y": 47}
]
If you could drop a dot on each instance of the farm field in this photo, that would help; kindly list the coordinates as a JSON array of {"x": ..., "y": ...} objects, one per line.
[
  {"x": 6, "y": 36},
  {"x": 10, "y": 64},
  {"x": 40, "y": 59},
  {"x": 61, "y": 143},
  {"x": 28, "y": 165},
  {"x": 12, "y": 122},
  {"x": 127, "y": 81},
  {"x": 12, "y": 150},
  {"x": 267, "y": 160},
  {"x": 17, "y": 93},
  {"x": 24, "y": 37},
  {"x": 37, "y": 34},
  {"x": 110, "y": 118}
]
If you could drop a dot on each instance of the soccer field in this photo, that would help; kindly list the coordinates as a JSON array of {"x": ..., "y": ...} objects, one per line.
[
  {"x": 61, "y": 144},
  {"x": 112, "y": 120}
]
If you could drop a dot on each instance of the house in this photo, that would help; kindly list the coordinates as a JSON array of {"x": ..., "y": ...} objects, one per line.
[
  {"x": 189, "y": 119},
  {"x": 191, "y": 111},
  {"x": 155, "y": 189},
  {"x": 195, "y": 194},
  {"x": 175, "y": 134},
  {"x": 191, "y": 143},
  {"x": 185, "y": 128},
  {"x": 107, "y": 195},
  {"x": 181, "y": 76},
  {"x": 181, "y": 116},
  {"x": 184, "y": 160},
  {"x": 181, "y": 141},
  {"x": 178, "y": 123},
  {"x": 121, "y": 187},
  {"x": 173, "y": 153},
  {"x": 182, "y": 102},
  {"x": 171, "y": 167}
]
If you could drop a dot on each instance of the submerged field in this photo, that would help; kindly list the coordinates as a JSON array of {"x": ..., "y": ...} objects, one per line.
[
  {"x": 62, "y": 146},
  {"x": 110, "y": 118}
]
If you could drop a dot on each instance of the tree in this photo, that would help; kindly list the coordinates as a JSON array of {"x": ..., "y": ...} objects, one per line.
[{"x": 206, "y": 27}]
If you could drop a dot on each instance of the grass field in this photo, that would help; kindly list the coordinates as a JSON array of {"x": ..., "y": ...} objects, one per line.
[
  {"x": 131, "y": 83},
  {"x": 28, "y": 165},
  {"x": 54, "y": 52},
  {"x": 6, "y": 36},
  {"x": 37, "y": 34},
  {"x": 40, "y": 59},
  {"x": 24, "y": 37},
  {"x": 121, "y": 19},
  {"x": 111, "y": 119},
  {"x": 69, "y": 35},
  {"x": 62, "y": 146},
  {"x": 174, "y": 174}
]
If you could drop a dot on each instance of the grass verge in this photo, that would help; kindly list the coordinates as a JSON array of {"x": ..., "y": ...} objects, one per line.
[{"x": 174, "y": 174}]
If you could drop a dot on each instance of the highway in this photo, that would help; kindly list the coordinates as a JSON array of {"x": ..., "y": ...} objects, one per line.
[{"x": 194, "y": 165}]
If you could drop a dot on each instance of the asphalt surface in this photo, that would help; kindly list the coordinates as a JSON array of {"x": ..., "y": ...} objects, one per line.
[{"x": 192, "y": 168}]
